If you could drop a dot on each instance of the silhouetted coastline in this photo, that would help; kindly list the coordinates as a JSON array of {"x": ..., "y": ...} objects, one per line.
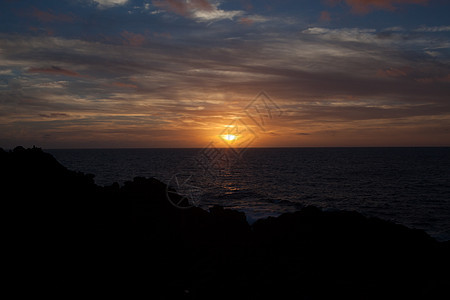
[{"x": 129, "y": 239}]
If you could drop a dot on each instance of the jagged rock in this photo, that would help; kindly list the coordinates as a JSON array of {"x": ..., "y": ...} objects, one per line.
[{"x": 132, "y": 237}]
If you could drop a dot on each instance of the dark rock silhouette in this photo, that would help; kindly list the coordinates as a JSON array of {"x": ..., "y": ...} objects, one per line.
[{"x": 129, "y": 240}]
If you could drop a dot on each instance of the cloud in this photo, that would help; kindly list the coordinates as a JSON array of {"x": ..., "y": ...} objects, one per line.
[
  {"x": 6, "y": 72},
  {"x": 200, "y": 10},
  {"x": 394, "y": 29},
  {"x": 133, "y": 39},
  {"x": 325, "y": 16},
  {"x": 360, "y": 35},
  {"x": 366, "y": 6},
  {"x": 166, "y": 35},
  {"x": 54, "y": 71},
  {"x": 124, "y": 85},
  {"x": 422, "y": 75},
  {"x": 54, "y": 115},
  {"x": 444, "y": 79},
  {"x": 246, "y": 21},
  {"x": 215, "y": 14},
  {"x": 183, "y": 7},
  {"x": 251, "y": 19},
  {"x": 394, "y": 72},
  {"x": 433, "y": 29},
  {"x": 110, "y": 3},
  {"x": 47, "y": 17},
  {"x": 435, "y": 79},
  {"x": 341, "y": 78}
]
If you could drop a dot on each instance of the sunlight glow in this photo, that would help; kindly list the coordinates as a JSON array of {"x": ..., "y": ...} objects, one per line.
[{"x": 229, "y": 137}]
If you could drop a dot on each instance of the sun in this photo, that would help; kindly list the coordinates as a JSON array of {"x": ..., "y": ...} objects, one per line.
[{"x": 229, "y": 137}]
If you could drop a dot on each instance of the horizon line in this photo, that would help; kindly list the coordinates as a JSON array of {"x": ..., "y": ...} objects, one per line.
[{"x": 274, "y": 147}]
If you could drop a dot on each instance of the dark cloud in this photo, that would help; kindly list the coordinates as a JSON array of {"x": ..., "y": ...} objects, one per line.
[
  {"x": 54, "y": 115},
  {"x": 53, "y": 70},
  {"x": 48, "y": 16},
  {"x": 365, "y": 6},
  {"x": 131, "y": 84}
]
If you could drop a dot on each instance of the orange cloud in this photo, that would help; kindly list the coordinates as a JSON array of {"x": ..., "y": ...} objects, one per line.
[
  {"x": 47, "y": 17},
  {"x": 247, "y": 5},
  {"x": 445, "y": 79},
  {"x": 419, "y": 75},
  {"x": 48, "y": 31},
  {"x": 434, "y": 79},
  {"x": 365, "y": 6},
  {"x": 54, "y": 70},
  {"x": 133, "y": 39},
  {"x": 394, "y": 72},
  {"x": 182, "y": 7},
  {"x": 54, "y": 115},
  {"x": 325, "y": 16},
  {"x": 124, "y": 85},
  {"x": 246, "y": 21}
]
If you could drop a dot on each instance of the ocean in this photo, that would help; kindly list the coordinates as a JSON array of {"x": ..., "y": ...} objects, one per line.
[{"x": 410, "y": 186}]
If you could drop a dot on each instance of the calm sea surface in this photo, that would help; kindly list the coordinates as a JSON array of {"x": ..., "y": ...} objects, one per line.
[{"x": 410, "y": 186}]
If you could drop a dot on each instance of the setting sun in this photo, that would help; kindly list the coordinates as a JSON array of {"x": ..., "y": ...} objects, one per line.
[{"x": 229, "y": 137}]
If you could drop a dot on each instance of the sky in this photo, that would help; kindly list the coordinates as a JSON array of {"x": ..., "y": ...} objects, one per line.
[{"x": 184, "y": 73}]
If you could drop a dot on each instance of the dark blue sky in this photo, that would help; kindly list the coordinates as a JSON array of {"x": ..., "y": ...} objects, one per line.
[{"x": 174, "y": 73}]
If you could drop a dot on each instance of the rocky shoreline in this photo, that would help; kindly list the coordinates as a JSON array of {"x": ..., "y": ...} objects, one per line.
[{"x": 77, "y": 238}]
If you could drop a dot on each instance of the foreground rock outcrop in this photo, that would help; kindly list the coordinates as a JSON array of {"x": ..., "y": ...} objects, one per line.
[{"x": 67, "y": 236}]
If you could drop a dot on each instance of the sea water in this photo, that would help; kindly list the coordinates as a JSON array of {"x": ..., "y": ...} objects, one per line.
[{"x": 410, "y": 186}]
